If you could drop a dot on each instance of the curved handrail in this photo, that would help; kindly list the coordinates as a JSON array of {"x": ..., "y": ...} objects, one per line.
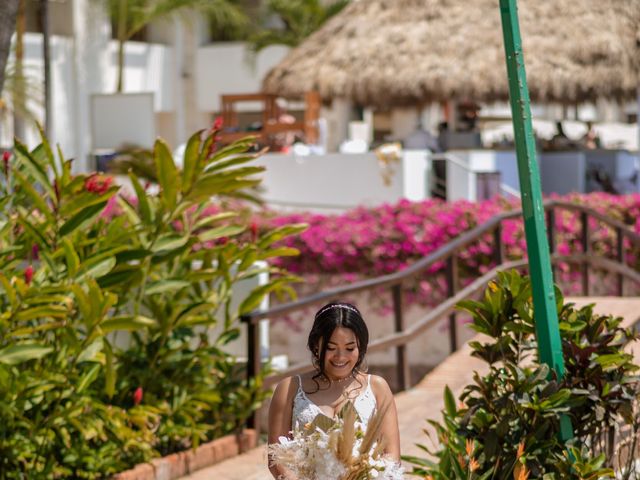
[
  {"x": 402, "y": 336},
  {"x": 445, "y": 308}
]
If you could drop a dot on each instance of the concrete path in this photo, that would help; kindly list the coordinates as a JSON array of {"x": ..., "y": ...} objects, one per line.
[{"x": 423, "y": 401}]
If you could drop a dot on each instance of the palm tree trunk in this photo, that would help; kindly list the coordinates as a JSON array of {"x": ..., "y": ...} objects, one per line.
[
  {"x": 19, "y": 93},
  {"x": 8, "y": 12},
  {"x": 46, "y": 60}
]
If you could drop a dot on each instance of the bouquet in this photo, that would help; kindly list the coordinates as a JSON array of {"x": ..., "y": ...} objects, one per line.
[{"x": 337, "y": 449}]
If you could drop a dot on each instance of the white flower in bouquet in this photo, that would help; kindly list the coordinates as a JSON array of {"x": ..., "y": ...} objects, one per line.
[{"x": 340, "y": 449}]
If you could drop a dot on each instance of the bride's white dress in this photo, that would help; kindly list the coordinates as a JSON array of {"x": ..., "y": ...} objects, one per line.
[{"x": 304, "y": 410}]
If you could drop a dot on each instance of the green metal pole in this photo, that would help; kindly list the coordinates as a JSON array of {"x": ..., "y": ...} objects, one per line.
[{"x": 544, "y": 299}]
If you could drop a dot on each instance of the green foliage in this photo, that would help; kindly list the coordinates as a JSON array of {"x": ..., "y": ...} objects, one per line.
[
  {"x": 298, "y": 18},
  {"x": 131, "y": 16},
  {"x": 508, "y": 422},
  {"x": 115, "y": 311}
]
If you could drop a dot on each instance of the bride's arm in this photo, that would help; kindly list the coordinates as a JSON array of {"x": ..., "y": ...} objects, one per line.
[
  {"x": 280, "y": 412},
  {"x": 389, "y": 431}
]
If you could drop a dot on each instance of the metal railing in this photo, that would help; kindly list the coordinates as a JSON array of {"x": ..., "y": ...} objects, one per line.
[{"x": 404, "y": 334}]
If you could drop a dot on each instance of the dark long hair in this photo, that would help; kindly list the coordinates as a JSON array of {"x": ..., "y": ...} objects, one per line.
[{"x": 328, "y": 318}]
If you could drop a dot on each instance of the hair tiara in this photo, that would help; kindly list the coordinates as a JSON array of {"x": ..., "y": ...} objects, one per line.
[{"x": 337, "y": 305}]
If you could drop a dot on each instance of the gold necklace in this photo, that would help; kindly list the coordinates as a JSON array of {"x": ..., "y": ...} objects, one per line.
[{"x": 341, "y": 380}]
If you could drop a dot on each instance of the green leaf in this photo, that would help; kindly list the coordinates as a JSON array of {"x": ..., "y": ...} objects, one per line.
[
  {"x": 164, "y": 286},
  {"x": 127, "y": 322},
  {"x": 92, "y": 352},
  {"x": 194, "y": 309},
  {"x": 45, "y": 311},
  {"x": 9, "y": 290},
  {"x": 249, "y": 258},
  {"x": 144, "y": 208},
  {"x": 39, "y": 297},
  {"x": 22, "y": 352},
  {"x": 130, "y": 213},
  {"x": 449, "y": 402},
  {"x": 238, "y": 160},
  {"x": 133, "y": 254},
  {"x": 122, "y": 275},
  {"x": 613, "y": 361},
  {"x": 207, "y": 221},
  {"x": 97, "y": 269},
  {"x": 34, "y": 168},
  {"x": 228, "y": 336},
  {"x": 88, "y": 378},
  {"x": 83, "y": 302},
  {"x": 73, "y": 262},
  {"x": 191, "y": 160},
  {"x": 253, "y": 300},
  {"x": 168, "y": 177},
  {"x": 169, "y": 241},
  {"x": 33, "y": 230},
  {"x": 48, "y": 152},
  {"x": 82, "y": 216},
  {"x": 240, "y": 146},
  {"x": 37, "y": 198},
  {"x": 79, "y": 201},
  {"x": 224, "y": 231},
  {"x": 210, "y": 185},
  {"x": 280, "y": 233}
]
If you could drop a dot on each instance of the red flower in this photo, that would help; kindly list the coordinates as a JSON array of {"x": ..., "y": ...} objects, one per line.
[
  {"x": 28, "y": 274},
  {"x": 97, "y": 183},
  {"x": 217, "y": 124},
  {"x": 6, "y": 156},
  {"x": 137, "y": 396},
  {"x": 253, "y": 227}
]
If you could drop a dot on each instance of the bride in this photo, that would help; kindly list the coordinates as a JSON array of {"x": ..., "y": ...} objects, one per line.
[{"x": 338, "y": 344}]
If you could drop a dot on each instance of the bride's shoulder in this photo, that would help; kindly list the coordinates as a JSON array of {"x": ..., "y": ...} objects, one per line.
[
  {"x": 380, "y": 386},
  {"x": 285, "y": 388}
]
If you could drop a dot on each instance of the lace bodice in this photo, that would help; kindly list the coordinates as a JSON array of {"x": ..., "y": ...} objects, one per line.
[{"x": 305, "y": 410}]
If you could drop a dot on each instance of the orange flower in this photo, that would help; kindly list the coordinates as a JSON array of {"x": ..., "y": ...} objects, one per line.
[
  {"x": 469, "y": 447},
  {"x": 474, "y": 465},
  {"x": 520, "y": 472},
  {"x": 520, "y": 450}
]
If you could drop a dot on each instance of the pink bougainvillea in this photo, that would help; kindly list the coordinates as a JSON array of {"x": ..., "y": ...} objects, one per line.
[{"x": 369, "y": 242}]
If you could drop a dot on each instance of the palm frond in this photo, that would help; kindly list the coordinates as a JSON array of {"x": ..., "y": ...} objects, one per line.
[
  {"x": 299, "y": 19},
  {"x": 22, "y": 91}
]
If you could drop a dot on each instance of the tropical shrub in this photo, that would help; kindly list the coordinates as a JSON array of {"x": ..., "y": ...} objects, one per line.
[
  {"x": 107, "y": 300},
  {"x": 508, "y": 421}
]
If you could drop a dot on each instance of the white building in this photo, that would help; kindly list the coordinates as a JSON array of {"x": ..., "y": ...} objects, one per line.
[{"x": 183, "y": 73}]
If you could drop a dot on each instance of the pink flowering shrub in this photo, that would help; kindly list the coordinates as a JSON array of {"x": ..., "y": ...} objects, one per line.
[{"x": 369, "y": 242}]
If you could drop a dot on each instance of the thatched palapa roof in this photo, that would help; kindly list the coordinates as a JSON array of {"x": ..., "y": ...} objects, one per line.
[{"x": 395, "y": 52}]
